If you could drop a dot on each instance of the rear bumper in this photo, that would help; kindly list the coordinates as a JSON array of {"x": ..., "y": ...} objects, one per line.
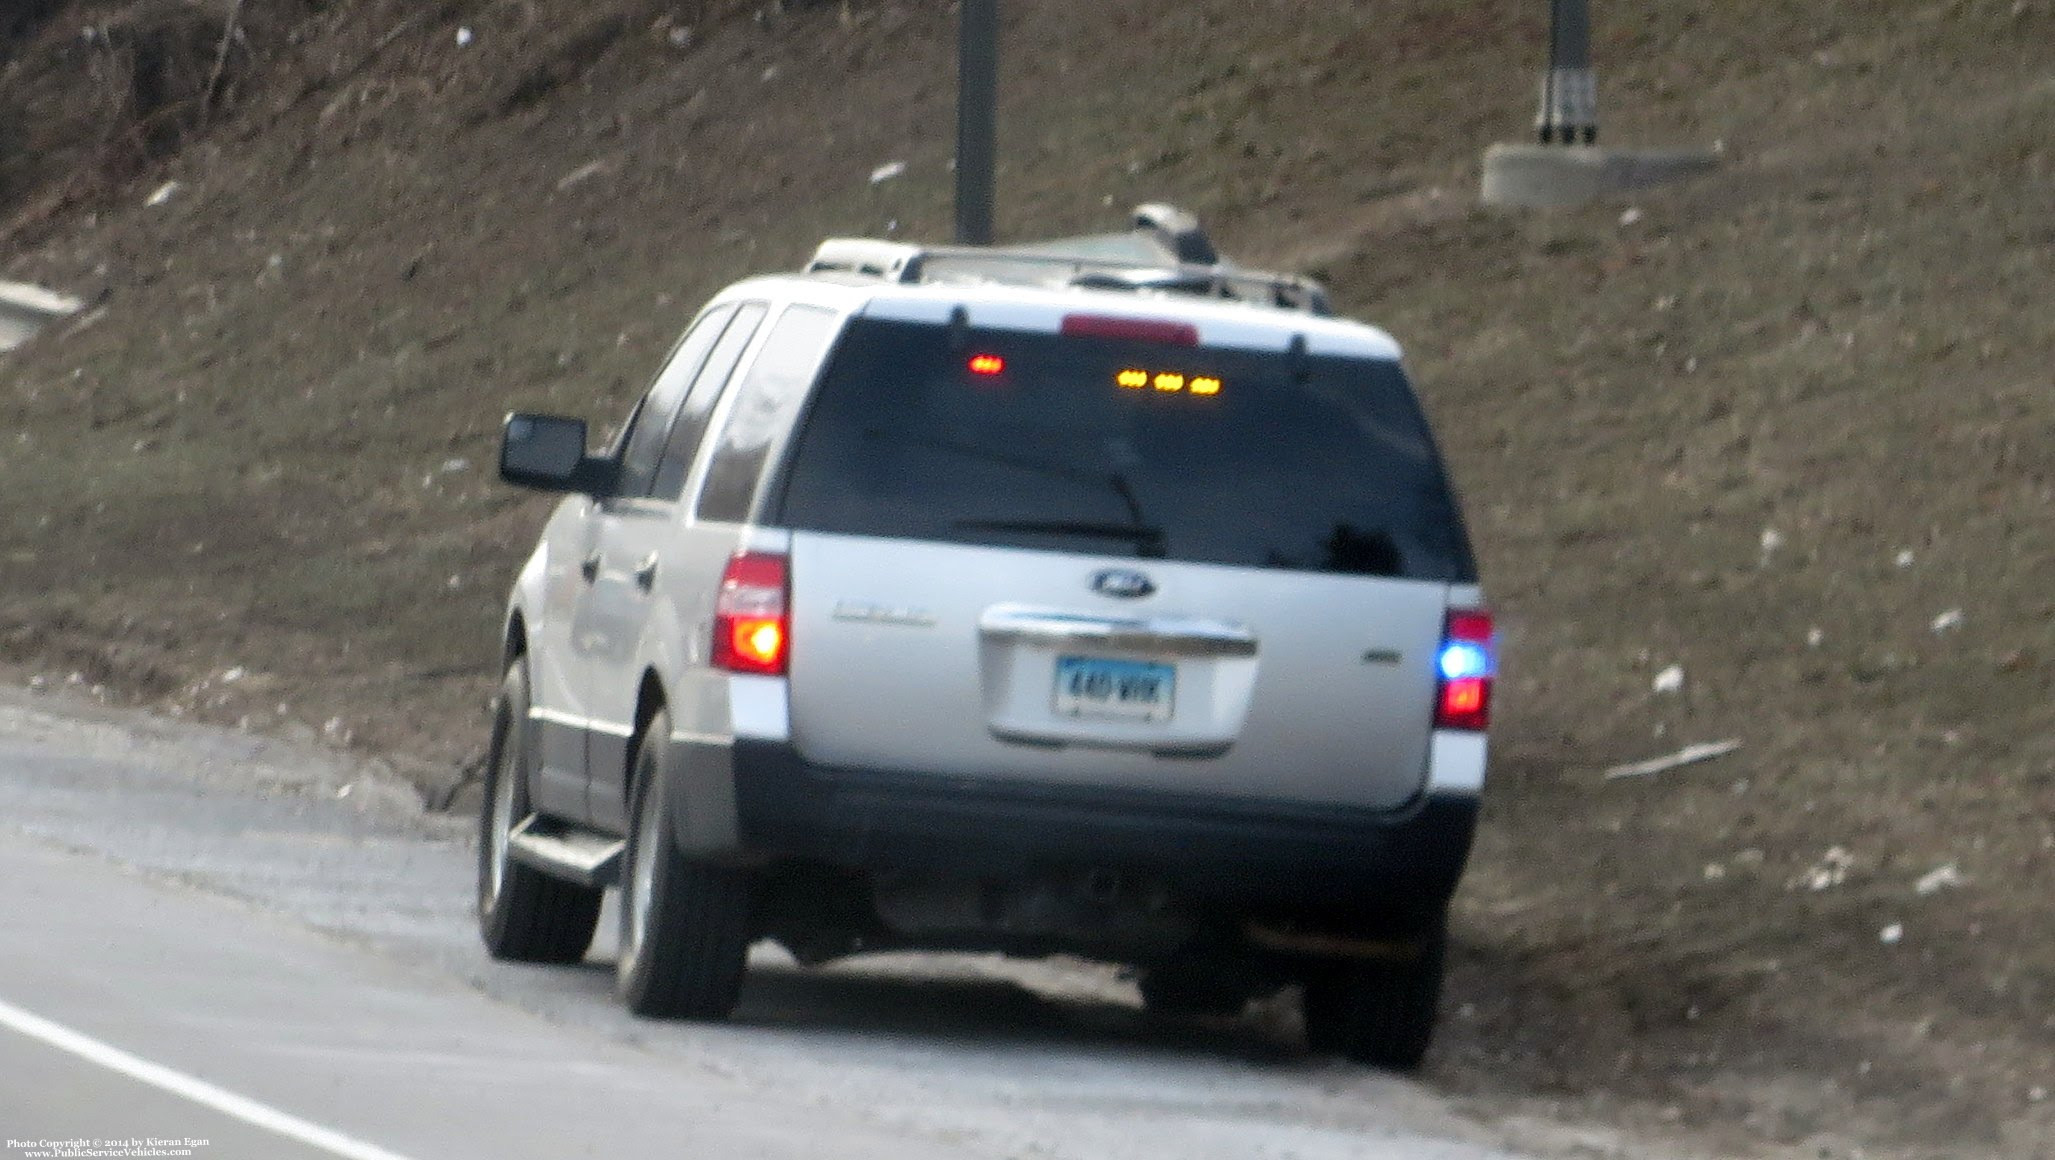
[{"x": 1254, "y": 854}]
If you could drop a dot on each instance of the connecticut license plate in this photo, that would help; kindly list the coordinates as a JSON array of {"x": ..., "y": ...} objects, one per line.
[{"x": 1128, "y": 690}]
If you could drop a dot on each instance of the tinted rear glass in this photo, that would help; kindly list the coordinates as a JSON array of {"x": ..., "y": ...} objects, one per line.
[{"x": 1109, "y": 446}]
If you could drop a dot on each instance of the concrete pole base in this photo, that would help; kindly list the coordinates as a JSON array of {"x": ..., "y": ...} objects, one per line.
[{"x": 1542, "y": 176}]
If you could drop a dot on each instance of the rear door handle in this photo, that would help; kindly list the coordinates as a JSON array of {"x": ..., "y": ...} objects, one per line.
[
  {"x": 589, "y": 568},
  {"x": 645, "y": 572}
]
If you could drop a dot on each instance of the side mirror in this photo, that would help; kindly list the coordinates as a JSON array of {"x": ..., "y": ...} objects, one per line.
[{"x": 547, "y": 453}]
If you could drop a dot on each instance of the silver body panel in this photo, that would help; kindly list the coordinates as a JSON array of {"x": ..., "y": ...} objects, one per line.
[
  {"x": 559, "y": 686},
  {"x": 1274, "y": 698}
]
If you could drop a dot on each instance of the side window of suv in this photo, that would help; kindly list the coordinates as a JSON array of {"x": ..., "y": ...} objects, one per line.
[
  {"x": 683, "y": 445},
  {"x": 765, "y": 404},
  {"x": 652, "y": 420}
]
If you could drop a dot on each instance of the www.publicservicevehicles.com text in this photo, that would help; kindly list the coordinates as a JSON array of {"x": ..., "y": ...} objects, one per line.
[{"x": 89, "y": 1146}]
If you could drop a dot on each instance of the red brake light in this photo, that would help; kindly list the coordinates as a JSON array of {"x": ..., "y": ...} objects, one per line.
[
  {"x": 1132, "y": 329},
  {"x": 987, "y": 364},
  {"x": 1464, "y": 668},
  {"x": 752, "y": 621}
]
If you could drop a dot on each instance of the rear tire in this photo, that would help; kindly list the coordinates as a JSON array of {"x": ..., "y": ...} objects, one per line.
[
  {"x": 1380, "y": 1013},
  {"x": 685, "y": 925},
  {"x": 524, "y": 915}
]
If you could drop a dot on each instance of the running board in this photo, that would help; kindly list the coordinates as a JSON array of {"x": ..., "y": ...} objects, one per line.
[{"x": 564, "y": 851}]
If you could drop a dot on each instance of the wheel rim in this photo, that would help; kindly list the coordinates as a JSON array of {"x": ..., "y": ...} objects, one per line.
[
  {"x": 505, "y": 784},
  {"x": 642, "y": 874}
]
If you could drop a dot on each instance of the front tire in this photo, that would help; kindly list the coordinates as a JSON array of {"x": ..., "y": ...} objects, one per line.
[
  {"x": 524, "y": 915},
  {"x": 1381, "y": 1012},
  {"x": 685, "y": 925}
]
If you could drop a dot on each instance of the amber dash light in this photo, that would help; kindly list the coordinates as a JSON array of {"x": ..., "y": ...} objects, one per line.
[
  {"x": 1205, "y": 385},
  {"x": 1133, "y": 380}
]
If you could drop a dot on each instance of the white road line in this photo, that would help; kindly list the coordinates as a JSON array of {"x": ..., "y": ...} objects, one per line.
[{"x": 197, "y": 1090}]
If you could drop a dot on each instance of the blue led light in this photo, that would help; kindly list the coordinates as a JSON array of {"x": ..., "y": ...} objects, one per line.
[{"x": 1460, "y": 659}]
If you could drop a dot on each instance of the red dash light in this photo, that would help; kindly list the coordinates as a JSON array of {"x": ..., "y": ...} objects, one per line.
[
  {"x": 1464, "y": 669},
  {"x": 1132, "y": 329},
  {"x": 987, "y": 364},
  {"x": 752, "y": 622}
]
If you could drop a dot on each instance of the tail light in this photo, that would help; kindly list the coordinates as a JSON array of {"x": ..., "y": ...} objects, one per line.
[
  {"x": 1464, "y": 667},
  {"x": 752, "y": 616}
]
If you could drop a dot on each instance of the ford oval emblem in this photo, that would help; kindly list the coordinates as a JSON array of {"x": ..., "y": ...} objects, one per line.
[{"x": 1122, "y": 582}]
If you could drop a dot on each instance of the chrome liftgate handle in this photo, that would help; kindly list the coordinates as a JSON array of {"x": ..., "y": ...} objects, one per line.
[{"x": 1161, "y": 636}]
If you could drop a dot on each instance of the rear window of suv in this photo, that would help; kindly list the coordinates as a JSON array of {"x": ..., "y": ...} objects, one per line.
[{"x": 1111, "y": 446}]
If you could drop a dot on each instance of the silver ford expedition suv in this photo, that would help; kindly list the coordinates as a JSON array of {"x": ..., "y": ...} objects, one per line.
[{"x": 1063, "y": 598}]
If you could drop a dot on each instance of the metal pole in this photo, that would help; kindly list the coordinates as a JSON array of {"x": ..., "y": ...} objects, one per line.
[
  {"x": 1569, "y": 89},
  {"x": 977, "y": 83}
]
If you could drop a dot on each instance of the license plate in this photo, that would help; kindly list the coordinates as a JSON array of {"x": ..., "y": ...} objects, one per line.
[{"x": 1127, "y": 690}]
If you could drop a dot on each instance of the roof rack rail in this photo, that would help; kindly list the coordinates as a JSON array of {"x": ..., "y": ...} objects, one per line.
[
  {"x": 1165, "y": 253},
  {"x": 867, "y": 257}
]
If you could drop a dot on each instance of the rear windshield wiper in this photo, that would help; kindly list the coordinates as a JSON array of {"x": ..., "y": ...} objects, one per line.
[{"x": 1148, "y": 541}]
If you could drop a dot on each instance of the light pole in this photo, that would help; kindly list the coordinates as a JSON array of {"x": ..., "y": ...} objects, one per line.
[
  {"x": 1569, "y": 89},
  {"x": 1531, "y": 176},
  {"x": 977, "y": 83}
]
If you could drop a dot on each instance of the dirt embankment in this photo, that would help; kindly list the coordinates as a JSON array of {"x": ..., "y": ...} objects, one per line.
[{"x": 1787, "y": 431}]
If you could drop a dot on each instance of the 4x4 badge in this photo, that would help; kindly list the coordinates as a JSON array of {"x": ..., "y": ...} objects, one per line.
[{"x": 1122, "y": 582}]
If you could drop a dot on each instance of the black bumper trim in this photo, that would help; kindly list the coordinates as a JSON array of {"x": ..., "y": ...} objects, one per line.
[{"x": 1247, "y": 852}]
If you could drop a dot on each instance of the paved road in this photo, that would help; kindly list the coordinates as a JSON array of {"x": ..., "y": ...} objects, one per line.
[
  {"x": 344, "y": 1051},
  {"x": 205, "y": 936}
]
